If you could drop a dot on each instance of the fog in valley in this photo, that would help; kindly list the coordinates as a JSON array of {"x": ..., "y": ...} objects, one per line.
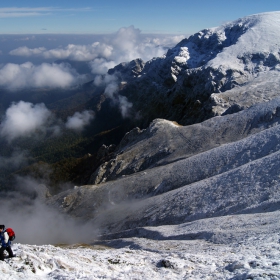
[{"x": 56, "y": 62}]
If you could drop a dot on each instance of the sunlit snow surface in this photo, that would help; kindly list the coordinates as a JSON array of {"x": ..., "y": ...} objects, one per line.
[{"x": 229, "y": 247}]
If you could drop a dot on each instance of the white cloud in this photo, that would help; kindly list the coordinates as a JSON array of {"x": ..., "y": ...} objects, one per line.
[
  {"x": 124, "y": 105},
  {"x": 23, "y": 119},
  {"x": 168, "y": 41},
  {"x": 128, "y": 44},
  {"x": 72, "y": 52},
  {"x": 39, "y": 9},
  {"x": 79, "y": 120},
  {"x": 111, "y": 90},
  {"x": 101, "y": 65},
  {"x": 23, "y": 14},
  {"x": 24, "y": 51},
  {"x": 27, "y": 75},
  {"x": 125, "y": 45},
  {"x": 80, "y": 52},
  {"x": 28, "y": 38}
]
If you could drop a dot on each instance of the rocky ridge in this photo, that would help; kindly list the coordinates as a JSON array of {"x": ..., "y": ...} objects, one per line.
[
  {"x": 216, "y": 71},
  {"x": 204, "y": 75},
  {"x": 163, "y": 174},
  {"x": 164, "y": 142},
  {"x": 226, "y": 165}
]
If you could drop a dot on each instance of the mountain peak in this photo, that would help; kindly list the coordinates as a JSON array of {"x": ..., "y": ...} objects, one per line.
[{"x": 201, "y": 75}]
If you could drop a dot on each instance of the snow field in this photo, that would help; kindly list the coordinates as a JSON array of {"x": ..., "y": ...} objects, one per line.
[
  {"x": 220, "y": 262},
  {"x": 231, "y": 247}
]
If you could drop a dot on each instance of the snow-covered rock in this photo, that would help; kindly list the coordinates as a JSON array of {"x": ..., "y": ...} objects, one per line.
[
  {"x": 223, "y": 166},
  {"x": 204, "y": 75},
  {"x": 164, "y": 142}
]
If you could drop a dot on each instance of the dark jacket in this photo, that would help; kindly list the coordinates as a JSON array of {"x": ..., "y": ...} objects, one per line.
[{"x": 5, "y": 241}]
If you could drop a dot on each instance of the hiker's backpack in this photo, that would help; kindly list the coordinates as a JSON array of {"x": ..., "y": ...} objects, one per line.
[{"x": 11, "y": 234}]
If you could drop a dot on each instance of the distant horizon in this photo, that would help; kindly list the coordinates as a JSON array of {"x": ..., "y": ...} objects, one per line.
[
  {"x": 157, "y": 17},
  {"x": 88, "y": 34}
]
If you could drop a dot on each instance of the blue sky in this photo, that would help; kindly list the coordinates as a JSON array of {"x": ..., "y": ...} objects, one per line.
[{"x": 107, "y": 16}]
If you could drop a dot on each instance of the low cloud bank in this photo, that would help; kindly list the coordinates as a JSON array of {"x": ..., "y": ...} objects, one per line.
[
  {"x": 125, "y": 45},
  {"x": 27, "y": 75},
  {"x": 24, "y": 119},
  {"x": 71, "y": 52}
]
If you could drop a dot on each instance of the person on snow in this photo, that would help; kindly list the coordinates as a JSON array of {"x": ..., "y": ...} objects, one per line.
[{"x": 5, "y": 243}]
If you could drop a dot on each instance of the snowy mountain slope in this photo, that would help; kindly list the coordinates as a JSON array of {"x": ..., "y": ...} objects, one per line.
[
  {"x": 249, "y": 41},
  {"x": 165, "y": 142},
  {"x": 265, "y": 87},
  {"x": 228, "y": 178},
  {"x": 231, "y": 247},
  {"x": 249, "y": 188},
  {"x": 216, "y": 230},
  {"x": 179, "y": 85}
]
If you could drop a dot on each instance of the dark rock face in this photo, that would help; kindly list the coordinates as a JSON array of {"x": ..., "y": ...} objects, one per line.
[{"x": 128, "y": 70}]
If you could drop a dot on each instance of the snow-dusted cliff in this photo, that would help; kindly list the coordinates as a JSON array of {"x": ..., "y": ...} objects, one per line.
[
  {"x": 208, "y": 169},
  {"x": 184, "y": 164},
  {"x": 213, "y": 72}
]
